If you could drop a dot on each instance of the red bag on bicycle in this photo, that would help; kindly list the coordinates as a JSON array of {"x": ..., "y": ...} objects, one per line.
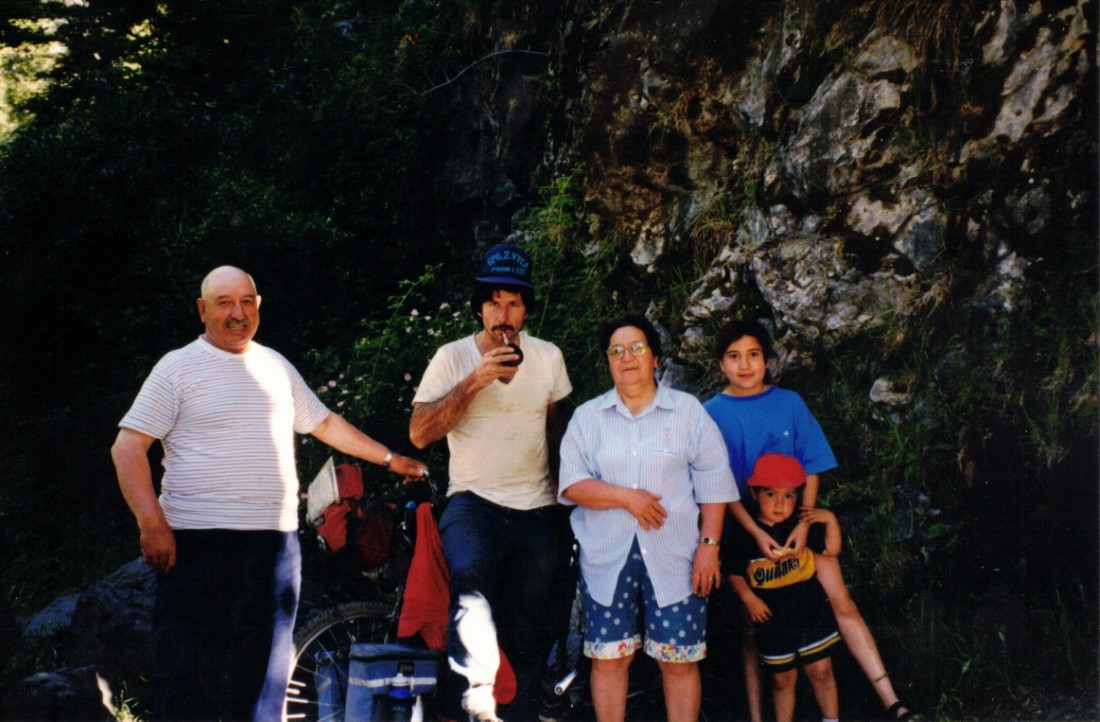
[
  {"x": 345, "y": 482},
  {"x": 370, "y": 532},
  {"x": 366, "y": 526}
]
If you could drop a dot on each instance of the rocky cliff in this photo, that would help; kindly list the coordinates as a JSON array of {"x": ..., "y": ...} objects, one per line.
[
  {"x": 854, "y": 164},
  {"x": 909, "y": 179}
]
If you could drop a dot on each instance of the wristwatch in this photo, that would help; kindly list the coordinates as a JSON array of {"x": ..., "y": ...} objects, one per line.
[
  {"x": 709, "y": 541},
  {"x": 386, "y": 461}
]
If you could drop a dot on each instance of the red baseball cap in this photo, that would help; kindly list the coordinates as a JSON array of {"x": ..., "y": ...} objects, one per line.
[{"x": 777, "y": 471}]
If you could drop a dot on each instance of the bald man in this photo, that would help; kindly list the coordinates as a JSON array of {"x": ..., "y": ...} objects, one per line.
[{"x": 223, "y": 533}]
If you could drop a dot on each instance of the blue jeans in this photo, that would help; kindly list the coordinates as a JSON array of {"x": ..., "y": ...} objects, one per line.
[
  {"x": 513, "y": 559},
  {"x": 224, "y": 624}
]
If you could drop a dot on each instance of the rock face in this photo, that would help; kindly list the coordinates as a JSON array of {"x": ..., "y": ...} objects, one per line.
[
  {"x": 844, "y": 163},
  {"x": 106, "y": 630},
  {"x": 820, "y": 123}
]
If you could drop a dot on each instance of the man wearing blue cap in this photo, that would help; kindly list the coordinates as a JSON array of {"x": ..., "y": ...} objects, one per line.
[{"x": 494, "y": 395}]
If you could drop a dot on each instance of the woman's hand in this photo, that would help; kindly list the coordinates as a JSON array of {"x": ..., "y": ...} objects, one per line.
[
  {"x": 833, "y": 541},
  {"x": 645, "y": 507},
  {"x": 705, "y": 572}
]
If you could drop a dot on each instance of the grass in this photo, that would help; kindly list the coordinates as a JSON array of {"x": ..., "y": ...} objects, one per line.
[
  {"x": 123, "y": 706},
  {"x": 965, "y": 656}
]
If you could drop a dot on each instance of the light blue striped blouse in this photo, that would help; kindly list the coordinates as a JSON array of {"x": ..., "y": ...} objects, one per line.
[{"x": 672, "y": 448}]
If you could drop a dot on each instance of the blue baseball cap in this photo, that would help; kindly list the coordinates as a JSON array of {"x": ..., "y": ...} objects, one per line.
[{"x": 506, "y": 263}]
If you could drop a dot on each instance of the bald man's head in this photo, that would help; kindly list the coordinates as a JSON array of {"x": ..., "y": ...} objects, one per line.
[{"x": 229, "y": 308}]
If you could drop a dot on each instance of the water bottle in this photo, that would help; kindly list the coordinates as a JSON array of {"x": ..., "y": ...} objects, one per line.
[{"x": 401, "y": 699}]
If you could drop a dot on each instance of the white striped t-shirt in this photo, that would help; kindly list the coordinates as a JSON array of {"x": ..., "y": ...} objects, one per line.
[{"x": 227, "y": 423}]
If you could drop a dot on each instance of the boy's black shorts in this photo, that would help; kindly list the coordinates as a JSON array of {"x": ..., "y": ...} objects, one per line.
[{"x": 814, "y": 637}]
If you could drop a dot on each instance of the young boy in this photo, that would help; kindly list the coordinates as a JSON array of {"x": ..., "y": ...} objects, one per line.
[
  {"x": 790, "y": 612},
  {"x": 756, "y": 417}
]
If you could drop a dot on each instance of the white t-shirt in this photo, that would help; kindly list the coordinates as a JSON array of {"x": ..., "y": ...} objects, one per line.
[
  {"x": 498, "y": 447},
  {"x": 227, "y": 423}
]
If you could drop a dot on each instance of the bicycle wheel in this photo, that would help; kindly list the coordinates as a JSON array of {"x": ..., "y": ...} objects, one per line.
[{"x": 321, "y": 649}]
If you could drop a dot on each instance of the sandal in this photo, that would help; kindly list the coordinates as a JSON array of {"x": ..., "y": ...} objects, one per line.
[{"x": 894, "y": 711}]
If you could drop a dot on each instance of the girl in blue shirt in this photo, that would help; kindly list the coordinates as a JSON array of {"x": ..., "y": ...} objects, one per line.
[{"x": 755, "y": 418}]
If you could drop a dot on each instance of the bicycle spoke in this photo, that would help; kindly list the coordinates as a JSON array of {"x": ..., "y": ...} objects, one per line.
[{"x": 323, "y": 646}]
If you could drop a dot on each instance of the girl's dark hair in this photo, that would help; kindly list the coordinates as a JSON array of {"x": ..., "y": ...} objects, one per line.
[
  {"x": 737, "y": 328},
  {"x": 484, "y": 292},
  {"x": 638, "y": 321}
]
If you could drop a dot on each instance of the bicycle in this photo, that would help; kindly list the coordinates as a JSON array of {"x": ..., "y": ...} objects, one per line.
[
  {"x": 325, "y": 637},
  {"x": 356, "y": 605}
]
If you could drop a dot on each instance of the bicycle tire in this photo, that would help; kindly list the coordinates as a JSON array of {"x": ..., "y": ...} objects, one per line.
[{"x": 331, "y": 632}]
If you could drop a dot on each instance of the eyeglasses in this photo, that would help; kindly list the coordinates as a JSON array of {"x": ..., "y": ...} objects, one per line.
[{"x": 638, "y": 348}]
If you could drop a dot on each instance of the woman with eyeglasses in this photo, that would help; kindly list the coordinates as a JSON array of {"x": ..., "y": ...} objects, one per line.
[{"x": 647, "y": 469}]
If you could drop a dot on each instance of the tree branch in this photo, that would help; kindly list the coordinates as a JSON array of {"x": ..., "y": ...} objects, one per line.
[{"x": 490, "y": 56}]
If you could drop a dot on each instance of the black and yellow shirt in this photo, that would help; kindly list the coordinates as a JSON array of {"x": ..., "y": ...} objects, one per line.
[{"x": 782, "y": 585}]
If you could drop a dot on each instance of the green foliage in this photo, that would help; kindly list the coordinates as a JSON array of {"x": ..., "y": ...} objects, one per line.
[
  {"x": 974, "y": 656},
  {"x": 284, "y": 138},
  {"x": 578, "y": 281},
  {"x": 47, "y": 523},
  {"x": 21, "y": 70},
  {"x": 287, "y": 138},
  {"x": 374, "y": 386}
]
